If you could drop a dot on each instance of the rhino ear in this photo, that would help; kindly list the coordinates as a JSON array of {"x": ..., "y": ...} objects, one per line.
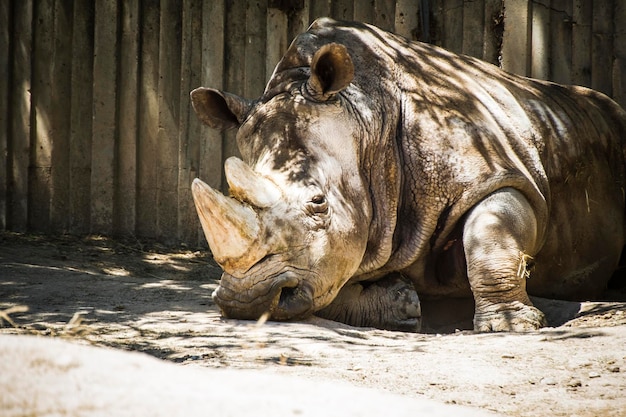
[
  {"x": 331, "y": 71},
  {"x": 219, "y": 109}
]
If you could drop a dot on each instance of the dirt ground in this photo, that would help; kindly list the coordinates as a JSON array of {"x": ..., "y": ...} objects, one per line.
[{"x": 148, "y": 298}]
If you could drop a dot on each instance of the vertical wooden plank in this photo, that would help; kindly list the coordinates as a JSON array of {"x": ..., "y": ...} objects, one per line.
[
  {"x": 188, "y": 140},
  {"x": 20, "y": 103},
  {"x": 541, "y": 40},
  {"x": 602, "y": 47},
  {"x": 148, "y": 120},
  {"x": 319, "y": 8},
  {"x": 81, "y": 102},
  {"x": 473, "y": 21},
  {"x": 384, "y": 14},
  {"x": 256, "y": 20},
  {"x": 342, "y": 9},
  {"x": 234, "y": 67},
  {"x": 169, "y": 108},
  {"x": 277, "y": 41},
  {"x": 104, "y": 116},
  {"x": 41, "y": 129},
  {"x": 516, "y": 37},
  {"x": 126, "y": 157},
  {"x": 59, "y": 116},
  {"x": 452, "y": 24},
  {"x": 364, "y": 11},
  {"x": 298, "y": 19},
  {"x": 213, "y": 73},
  {"x": 561, "y": 41},
  {"x": 5, "y": 39},
  {"x": 430, "y": 21},
  {"x": 581, "y": 42},
  {"x": 619, "y": 44},
  {"x": 435, "y": 20},
  {"x": 493, "y": 30},
  {"x": 406, "y": 18}
]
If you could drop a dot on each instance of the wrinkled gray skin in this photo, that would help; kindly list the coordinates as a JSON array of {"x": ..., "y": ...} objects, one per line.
[{"x": 374, "y": 167}]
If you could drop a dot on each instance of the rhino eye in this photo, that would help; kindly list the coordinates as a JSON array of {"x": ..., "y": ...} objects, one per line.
[
  {"x": 318, "y": 199},
  {"x": 318, "y": 204}
]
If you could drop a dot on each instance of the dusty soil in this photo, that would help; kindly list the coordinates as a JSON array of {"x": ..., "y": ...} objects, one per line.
[{"x": 145, "y": 297}]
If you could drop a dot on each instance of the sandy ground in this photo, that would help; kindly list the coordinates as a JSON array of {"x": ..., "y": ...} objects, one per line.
[{"x": 152, "y": 299}]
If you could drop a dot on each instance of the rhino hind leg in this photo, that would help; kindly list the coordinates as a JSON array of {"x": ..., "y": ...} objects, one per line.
[
  {"x": 389, "y": 304},
  {"x": 499, "y": 235}
]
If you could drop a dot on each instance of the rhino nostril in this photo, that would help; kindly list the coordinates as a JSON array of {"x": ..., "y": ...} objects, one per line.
[
  {"x": 286, "y": 294},
  {"x": 293, "y": 303}
]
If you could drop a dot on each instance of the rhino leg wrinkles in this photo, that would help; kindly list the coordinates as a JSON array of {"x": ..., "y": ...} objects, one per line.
[
  {"x": 499, "y": 237},
  {"x": 390, "y": 303}
]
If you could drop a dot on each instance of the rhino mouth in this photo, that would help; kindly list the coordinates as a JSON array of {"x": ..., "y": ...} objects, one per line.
[{"x": 284, "y": 297}]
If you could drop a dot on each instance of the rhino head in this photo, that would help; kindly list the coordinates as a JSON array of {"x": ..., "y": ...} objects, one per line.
[{"x": 290, "y": 233}]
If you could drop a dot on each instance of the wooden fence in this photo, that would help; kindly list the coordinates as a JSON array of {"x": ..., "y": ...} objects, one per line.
[{"x": 96, "y": 130}]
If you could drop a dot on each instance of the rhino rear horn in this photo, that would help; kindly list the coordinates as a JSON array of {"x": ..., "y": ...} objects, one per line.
[
  {"x": 331, "y": 71},
  {"x": 249, "y": 186},
  {"x": 219, "y": 109}
]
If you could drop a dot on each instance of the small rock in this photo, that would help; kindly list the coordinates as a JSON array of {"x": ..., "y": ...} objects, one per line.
[
  {"x": 548, "y": 381},
  {"x": 38, "y": 326},
  {"x": 574, "y": 383},
  {"x": 594, "y": 375},
  {"x": 613, "y": 368}
]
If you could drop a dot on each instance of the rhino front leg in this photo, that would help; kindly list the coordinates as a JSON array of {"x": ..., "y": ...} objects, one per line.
[
  {"x": 499, "y": 236},
  {"x": 389, "y": 304}
]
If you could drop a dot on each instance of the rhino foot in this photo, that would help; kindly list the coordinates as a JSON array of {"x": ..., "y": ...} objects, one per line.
[
  {"x": 389, "y": 304},
  {"x": 516, "y": 317}
]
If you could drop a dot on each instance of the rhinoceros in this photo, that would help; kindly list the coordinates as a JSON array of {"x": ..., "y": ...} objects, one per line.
[{"x": 374, "y": 169}]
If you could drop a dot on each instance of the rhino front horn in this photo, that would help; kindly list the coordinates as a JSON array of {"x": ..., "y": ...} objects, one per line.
[{"x": 232, "y": 228}]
